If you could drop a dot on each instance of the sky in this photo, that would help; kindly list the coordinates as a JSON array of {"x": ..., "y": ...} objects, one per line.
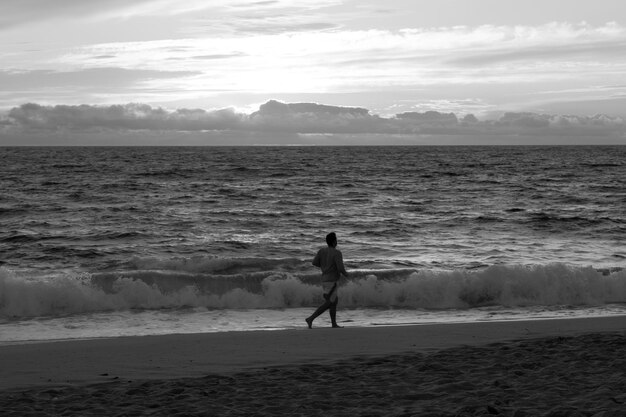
[{"x": 207, "y": 71}]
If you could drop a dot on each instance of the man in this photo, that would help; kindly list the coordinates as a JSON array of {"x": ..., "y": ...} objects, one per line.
[{"x": 330, "y": 261}]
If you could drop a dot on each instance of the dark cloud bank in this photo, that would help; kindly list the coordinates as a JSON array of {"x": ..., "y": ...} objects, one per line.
[{"x": 292, "y": 123}]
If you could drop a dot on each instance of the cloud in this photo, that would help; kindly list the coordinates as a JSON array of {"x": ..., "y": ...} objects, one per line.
[
  {"x": 544, "y": 53},
  {"x": 313, "y": 118},
  {"x": 265, "y": 52},
  {"x": 429, "y": 117},
  {"x": 96, "y": 84},
  {"x": 122, "y": 117},
  {"x": 270, "y": 18},
  {"x": 317, "y": 59},
  {"x": 218, "y": 56},
  {"x": 525, "y": 120},
  {"x": 91, "y": 78},
  {"x": 278, "y": 119},
  {"x": 20, "y": 12},
  {"x": 561, "y": 125},
  {"x": 276, "y": 26}
]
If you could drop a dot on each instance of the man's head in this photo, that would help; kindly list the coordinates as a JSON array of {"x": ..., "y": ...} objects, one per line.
[{"x": 331, "y": 239}]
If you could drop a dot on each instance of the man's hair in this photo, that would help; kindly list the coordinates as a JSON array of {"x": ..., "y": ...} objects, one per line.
[{"x": 331, "y": 238}]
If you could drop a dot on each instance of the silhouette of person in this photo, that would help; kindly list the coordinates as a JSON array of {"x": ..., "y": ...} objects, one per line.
[{"x": 330, "y": 261}]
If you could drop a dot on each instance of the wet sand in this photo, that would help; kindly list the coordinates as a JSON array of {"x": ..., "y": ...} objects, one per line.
[{"x": 567, "y": 367}]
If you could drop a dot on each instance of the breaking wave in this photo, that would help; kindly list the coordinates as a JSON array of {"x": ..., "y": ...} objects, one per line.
[{"x": 23, "y": 296}]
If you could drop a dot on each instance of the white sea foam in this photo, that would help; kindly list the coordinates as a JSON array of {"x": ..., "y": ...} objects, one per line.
[{"x": 506, "y": 286}]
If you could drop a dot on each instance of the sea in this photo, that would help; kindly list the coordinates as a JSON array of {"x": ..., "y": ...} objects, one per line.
[{"x": 117, "y": 241}]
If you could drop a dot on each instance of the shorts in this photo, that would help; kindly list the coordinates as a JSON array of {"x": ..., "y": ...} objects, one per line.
[{"x": 327, "y": 287}]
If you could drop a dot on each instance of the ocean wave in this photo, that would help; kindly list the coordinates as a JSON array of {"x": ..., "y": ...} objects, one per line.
[
  {"x": 507, "y": 286},
  {"x": 15, "y": 236},
  {"x": 214, "y": 265}
]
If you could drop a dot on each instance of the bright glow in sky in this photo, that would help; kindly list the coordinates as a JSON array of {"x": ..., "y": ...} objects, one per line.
[{"x": 481, "y": 56}]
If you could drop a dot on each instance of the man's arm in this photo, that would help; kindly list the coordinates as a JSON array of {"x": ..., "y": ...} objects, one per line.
[
  {"x": 316, "y": 260},
  {"x": 340, "y": 267}
]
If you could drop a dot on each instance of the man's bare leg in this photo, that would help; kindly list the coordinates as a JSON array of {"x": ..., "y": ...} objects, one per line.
[
  {"x": 320, "y": 310},
  {"x": 333, "y": 314}
]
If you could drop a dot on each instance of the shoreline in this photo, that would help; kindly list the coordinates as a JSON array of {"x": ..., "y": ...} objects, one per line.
[{"x": 165, "y": 357}]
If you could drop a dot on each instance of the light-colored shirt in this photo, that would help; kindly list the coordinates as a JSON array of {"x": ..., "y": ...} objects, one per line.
[{"x": 330, "y": 260}]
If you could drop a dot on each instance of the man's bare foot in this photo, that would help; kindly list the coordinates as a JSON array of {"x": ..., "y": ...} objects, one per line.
[
  {"x": 309, "y": 322},
  {"x": 336, "y": 326}
]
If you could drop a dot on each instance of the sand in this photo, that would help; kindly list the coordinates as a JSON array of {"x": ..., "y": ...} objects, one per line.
[{"x": 567, "y": 367}]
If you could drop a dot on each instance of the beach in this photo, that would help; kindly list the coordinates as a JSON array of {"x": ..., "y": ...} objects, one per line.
[{"x": 566, "y": 367}]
